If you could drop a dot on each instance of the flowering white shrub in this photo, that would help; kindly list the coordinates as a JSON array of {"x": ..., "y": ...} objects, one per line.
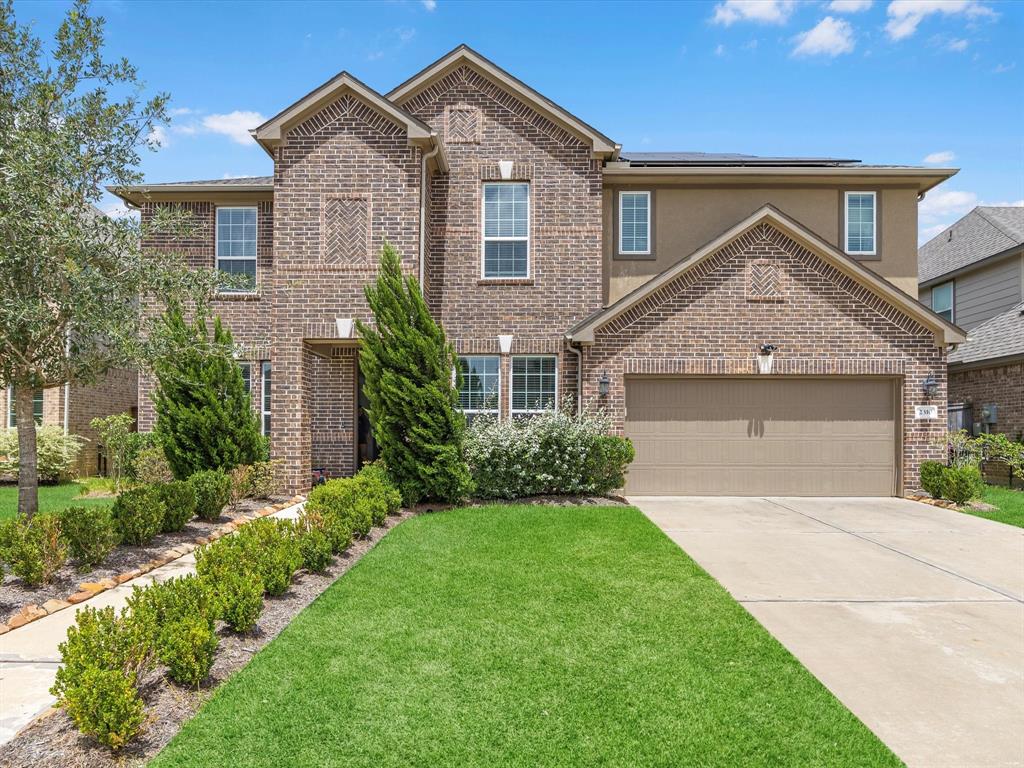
[
  {"x": 550, "y": 453},
  {"x": 56, "y": 453}
]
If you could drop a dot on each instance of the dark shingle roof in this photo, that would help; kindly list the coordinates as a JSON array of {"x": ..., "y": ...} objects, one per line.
[
  {"x": 727, "y": 159},
  {"x": 984, "y": 232},
  {"x": 1001, "y": 336},
  {"x": 238, "y": 181}
]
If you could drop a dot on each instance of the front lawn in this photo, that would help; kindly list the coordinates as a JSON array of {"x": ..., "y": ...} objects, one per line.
[
  {"x": 52, "y": 498},
  {"x": 525, "y": 636},
  {"x": 1009, "y": 505}
]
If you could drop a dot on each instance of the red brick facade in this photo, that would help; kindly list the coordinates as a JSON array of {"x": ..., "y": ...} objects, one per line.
[
  {"x": 1001, "y": 385},
  {"x": 706, "y": 322}
]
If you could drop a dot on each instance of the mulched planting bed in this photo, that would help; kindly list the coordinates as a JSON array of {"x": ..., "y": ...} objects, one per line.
[
  {"x": 54, "y": 741},
  {"x": 14, "y": 595}
]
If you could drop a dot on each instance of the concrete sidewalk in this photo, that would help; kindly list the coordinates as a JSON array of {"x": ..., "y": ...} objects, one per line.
[
  {"x": 29, "y": 657},
  {"x": 913, "y": 616}
]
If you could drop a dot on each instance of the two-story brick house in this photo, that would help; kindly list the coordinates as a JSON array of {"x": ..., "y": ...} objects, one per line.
[{"x": 644, "y": 284}]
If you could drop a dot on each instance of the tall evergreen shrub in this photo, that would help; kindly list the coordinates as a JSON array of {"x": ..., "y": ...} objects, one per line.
[{"x": 408, "y": 364}]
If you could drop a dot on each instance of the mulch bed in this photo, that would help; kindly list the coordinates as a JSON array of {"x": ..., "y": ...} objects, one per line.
[
  {"x": 54, "y": 741},
  {"x": 14, "y": 594}
]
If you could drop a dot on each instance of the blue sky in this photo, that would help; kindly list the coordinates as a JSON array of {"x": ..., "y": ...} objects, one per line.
[{"x": 911, "y": 81}]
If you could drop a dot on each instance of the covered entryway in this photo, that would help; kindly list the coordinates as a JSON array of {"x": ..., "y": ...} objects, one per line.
[{"x": 770, "y": 435}]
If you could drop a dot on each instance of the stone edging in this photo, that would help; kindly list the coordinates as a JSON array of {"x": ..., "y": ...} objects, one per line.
[
  {"x": 89, "y": 589},
  {"x": 943, "y": 503}
]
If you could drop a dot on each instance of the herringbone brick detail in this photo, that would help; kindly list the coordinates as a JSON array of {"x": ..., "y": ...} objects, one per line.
[
  {"x": 346, "y": 231},
  {"x": 463, "y": 124},
  {"x": 763, "y": 283}
]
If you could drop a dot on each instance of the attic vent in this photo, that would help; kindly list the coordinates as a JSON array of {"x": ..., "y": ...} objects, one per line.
[
  {"x": 463, "y": 124},
  {"x": 763, "y": 281},
  {"x": 345, "y": 230}
]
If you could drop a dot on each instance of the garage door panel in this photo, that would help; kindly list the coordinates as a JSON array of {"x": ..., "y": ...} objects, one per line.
[{"x": 774, "y": 436}]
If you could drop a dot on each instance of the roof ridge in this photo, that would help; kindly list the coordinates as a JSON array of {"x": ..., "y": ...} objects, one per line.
[{"x": 980, "y": 209}]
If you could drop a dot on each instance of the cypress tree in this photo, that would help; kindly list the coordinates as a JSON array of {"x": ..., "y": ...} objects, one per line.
[
  {"x": 407, "y": 364},
  {"x": 204, "y": 417}
]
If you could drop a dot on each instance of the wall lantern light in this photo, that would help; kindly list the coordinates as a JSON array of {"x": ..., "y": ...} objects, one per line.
[
  {"x": 765, "y": 358},
  {"x": 930, "y": 386},
  {"x": 603, "y": 384}
]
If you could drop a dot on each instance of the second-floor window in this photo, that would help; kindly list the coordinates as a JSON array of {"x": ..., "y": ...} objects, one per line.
[
  {"x": 506, "y": 249},
  {"x": 480, "y": 385},
  {"x": 236, "y": 246},
  {"x": 942, "y": 300},
  {"x": 860, "y": 223},
  {"x": 635, "y": 223},
  {"x": 37, "y": 407}
]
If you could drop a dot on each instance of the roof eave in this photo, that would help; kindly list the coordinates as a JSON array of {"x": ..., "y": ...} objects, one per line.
[{"x": 927, "y": 178}]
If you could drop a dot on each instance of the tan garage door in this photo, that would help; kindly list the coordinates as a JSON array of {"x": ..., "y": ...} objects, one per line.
[{"x": 762, "y": 436}]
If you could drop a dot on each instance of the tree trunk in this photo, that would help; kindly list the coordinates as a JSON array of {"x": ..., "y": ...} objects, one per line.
[{"x": 28, "y": 475}]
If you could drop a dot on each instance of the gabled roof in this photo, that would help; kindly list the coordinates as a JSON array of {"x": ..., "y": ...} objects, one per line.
[
  {"x": 984, "y": 232},
  {"x": 999, "y": 337},
  {"x": 463, "y": 54},
  {"x": 945, "y": 332},
  {"x": 705, "y": 159},
  {"x": 273, "y": 132}
]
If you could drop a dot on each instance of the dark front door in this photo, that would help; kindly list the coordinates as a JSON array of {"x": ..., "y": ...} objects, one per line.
[{"x": 366, "y": 445}]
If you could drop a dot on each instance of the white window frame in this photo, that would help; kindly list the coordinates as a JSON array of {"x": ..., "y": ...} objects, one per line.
[
  {"x": 496, "y": 410},
  {"x": 874, "y": 222},
  {"x": 12, "y": 418},
  {"x": 265, "y": 404},
  {"x": 484, "y": 239},
  {"x": 246, "y": 379},
  {"x": 952, "y": 299},
  {"x": 646, "y": 194},
  {"x": 217, "y": 258},
  {"x": 513, "y": 412}
]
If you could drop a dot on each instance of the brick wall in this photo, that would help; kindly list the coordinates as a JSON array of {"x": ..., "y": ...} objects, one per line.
[
  {"x": 708, "y": 322},
  {"x": 117, "y": 392},
  {"x": 1002, "y": 385}
]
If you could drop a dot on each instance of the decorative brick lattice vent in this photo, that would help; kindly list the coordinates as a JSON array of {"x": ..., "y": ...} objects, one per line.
[
  {"x": 764, "y": 283},
  {"x": 346, "y": 230},
  {"x": 463, "y": 122}
]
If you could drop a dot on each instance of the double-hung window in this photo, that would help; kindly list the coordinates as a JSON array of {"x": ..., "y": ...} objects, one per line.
[
  {"x": 236, "y": 247},
  {"x": 480, "y": 385},
  {"x": 861, "y": 223},
  {"x": 635, "y": 223},
  {"x": 37, "y": 407},
  {"x": 265, "y": 399},
  {"x": 246, "y": 376},
  {"x": 942, "y": 300},
  {"x": 534, "y": 384},
  {"x": 506, "y": 250}
]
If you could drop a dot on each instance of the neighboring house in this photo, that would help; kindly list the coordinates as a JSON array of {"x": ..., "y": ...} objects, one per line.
[
  {"x": 973, "y": 274},
  {"x": 73, "y": 407},
  {"x": 640, "y": 283}
]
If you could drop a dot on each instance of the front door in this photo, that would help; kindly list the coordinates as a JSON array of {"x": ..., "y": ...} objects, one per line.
[{"x": 366, "y": 446}]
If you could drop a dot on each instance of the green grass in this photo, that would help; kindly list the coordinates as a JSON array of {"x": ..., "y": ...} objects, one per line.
[
  {"x": 524, "y": 636},
  {"x": 1009, "y": 503},
  {"x": 52, "y": 498}
]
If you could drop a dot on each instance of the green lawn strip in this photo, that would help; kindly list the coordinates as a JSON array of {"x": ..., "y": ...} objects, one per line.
[
  {"x": 52, "y": 498},
  {"x": 525, "y": 636},
  {"x": 1009, "y": 505}
]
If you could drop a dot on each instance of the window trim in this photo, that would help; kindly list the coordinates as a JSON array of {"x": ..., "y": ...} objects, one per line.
[
  {"x": 952, "y": 299},
  {"x": 217, "y": 258},
  {"x": 246, "y": 377},
  {"x": 12, "y": 417},
  {"x": 646, "y": 193},
  {"x": 496, "y": 410},
  {"x": 874, "y": 222},
  {"x": 483, "y": 232},
  {"x": 512, "y": 411},
  {"x": 265, "y": 404}
]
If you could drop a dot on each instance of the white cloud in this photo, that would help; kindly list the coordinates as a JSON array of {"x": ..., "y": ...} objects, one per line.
[
  {"x": 906, "y": 15},
  {"x": 849, "y": 6},
  {"x": 235, "y": 125},
  {"x": 938, "y": 158},
  {"x": 719, "y": 50},
  {"x": 1001, "y": 68},
  {"x": 180, "y": 111},
  {"x": 760, "y": 11},
  {"x": 118, "y": 210},
  {"x": 958, "y": 44},
  {"x": 831, "y": 37},
  {"x": 158, "y": 136},
  {"x": 430, "y": 5}
]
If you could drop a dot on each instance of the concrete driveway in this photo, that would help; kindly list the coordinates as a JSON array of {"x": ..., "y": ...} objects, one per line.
[{"x": 913, "y": 616}]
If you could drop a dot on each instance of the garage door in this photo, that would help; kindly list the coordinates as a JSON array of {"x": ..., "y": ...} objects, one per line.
[{"x": 762, "y": 436}]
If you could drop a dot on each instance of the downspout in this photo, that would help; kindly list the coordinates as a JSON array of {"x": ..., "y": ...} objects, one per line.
[
  {"x": 423, "y": 208},
  {"x": 579, "y": 377}
]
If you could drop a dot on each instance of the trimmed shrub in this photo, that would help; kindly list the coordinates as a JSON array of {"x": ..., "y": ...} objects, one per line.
[
  {"x": 136, "y": 444},
  {"x": 316, "y": 550},
  {"x": 239, "y": 599},
  {"x": 241, "y": 482},
  {"x": 265, "y": 479},
  {"x": 376, "y": 487},
  {"x": 159, "y": 604},
  {"x": 150, "y": 466},
  {"x": 551, "y": 453},
  {"x": 33, "y": 548},
  {"x": 335, "y": 527},
  {"x": 216, "y": 561},
  {"x": 932, "y": 478},
  {"x": 213, "y": 492},
  {"x": 105, "y": 705},
  {"x": 187, "y": 647},
  {"x": 139, "y": 515},
  {"x": 90, "y": 534},
  {"x": 272, "y": 547},
  {"x": 961, "y": 484},
  {"x": 179, "y": 498},
  {"x": 56, "y": 453}
]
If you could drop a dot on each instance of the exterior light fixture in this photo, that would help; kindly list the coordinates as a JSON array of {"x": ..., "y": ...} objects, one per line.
[
  {"x": 765, "y": 358},
  {"x": 930, "y": 386},
  {"x": 603, "y": 384}
]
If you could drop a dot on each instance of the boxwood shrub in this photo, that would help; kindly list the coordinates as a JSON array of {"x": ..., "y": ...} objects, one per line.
[
  {"x": 213, "y": 492},
  {"x": 139, "y": 514},
  {"x": 90, "y": 534},
  {"x": 179, "y": 498}
]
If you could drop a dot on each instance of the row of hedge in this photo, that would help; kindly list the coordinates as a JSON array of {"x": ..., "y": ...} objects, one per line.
[{"x": 106, "y": 655}]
